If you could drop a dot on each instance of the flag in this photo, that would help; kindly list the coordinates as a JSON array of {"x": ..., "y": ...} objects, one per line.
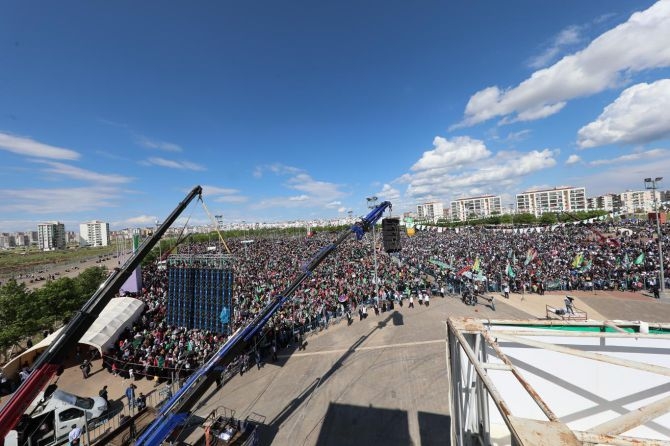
[
  {"x": 577, "y": 260},
  {"x": 475, "y": 266},
  {"x": 464, "y": 269},
  {"x": 510, "y": 271},
  {"x": 640, "y": 259},
  {"x": 530, "y": 255},
  {"x": 626, "y": 262}
]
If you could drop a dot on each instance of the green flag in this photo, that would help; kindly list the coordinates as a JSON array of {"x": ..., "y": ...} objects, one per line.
[
  {"x": 640, "y": 259},
  {"x": 510, "y": 271}
]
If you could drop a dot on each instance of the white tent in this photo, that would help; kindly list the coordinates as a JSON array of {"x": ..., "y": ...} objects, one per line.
[{"x": 119, "y": 313}]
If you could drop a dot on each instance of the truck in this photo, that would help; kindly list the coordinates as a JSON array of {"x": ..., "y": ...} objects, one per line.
[{"x": 49, "y": 419}]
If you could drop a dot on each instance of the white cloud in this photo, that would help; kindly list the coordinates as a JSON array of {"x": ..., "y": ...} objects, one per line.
[
  {"x": 573, "y": 159},
  {"x": 159, "y": 145},
  {"x": 172, "y": 164},
  {"x": 299, "y": 198},
  {"x": 29, "y": 147},
  {"x": 58, "y": 201},
  {"x": 215, "y": 190},
  {"x": 619, "y": 177},
  {"x": 637, "y": 156},
  {"x": 314, "y": 193},
  {"x": 638, "y": 115},
  {"x": 447, "y": 170},
  {"x": 388, "y": 193},
  {"x": 223, "y": 194},
  {"x": 276, "y": 168},
  {"x": 334, "y": 204},
  {"x": 461, "y": 150},
  {"x": 567, "y": 37},
  {"x": 139, "y": 220},
  {"x": 641, "y": 43},
  {"x": 83, "y": 174},
  {"x": 231, "y": 199},
  {"x": 518, "y": 136}
]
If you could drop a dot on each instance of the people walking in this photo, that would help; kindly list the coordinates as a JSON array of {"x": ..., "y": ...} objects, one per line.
[
  {"x": 74, "y": 437},
  {"x": 103, "y": 394},
  {"x": 130, "y": 395},
  {"x": 85, "y": 368},
  {"x": 568, "y": 305},
  {"x": 411, "y": 301}
]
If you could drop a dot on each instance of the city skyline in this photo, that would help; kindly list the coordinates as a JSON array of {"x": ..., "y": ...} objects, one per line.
[{"x": 299, "y": 111}]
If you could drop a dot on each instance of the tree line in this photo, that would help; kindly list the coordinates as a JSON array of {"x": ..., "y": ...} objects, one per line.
[{"x": 25, "y": 312}]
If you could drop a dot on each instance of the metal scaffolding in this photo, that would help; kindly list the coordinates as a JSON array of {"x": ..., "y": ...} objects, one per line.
[
  {"x": 217, "y": 261},
  {"x": 200, "y": 291},
  {"x": 494, "y": 385}
]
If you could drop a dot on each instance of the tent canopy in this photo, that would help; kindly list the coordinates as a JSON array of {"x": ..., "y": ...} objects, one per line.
[{"x": 119, "y": 313}]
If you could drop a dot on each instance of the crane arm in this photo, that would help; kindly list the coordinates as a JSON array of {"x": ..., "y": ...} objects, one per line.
[
  {"x": 48, "y": 364},
  {"x": 176, "y": 410}
]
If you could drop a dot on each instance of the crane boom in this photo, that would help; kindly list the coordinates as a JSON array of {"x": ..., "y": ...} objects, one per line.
[
  {"x": 177, "y": 409},
  {"x": 48, "y": 364}
]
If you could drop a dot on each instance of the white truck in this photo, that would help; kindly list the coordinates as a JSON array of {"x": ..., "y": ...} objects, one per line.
[{"x": 48, "y": 421}]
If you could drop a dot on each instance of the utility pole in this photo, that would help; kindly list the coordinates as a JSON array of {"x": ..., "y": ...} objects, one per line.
[{"x": 651, "y": 184}]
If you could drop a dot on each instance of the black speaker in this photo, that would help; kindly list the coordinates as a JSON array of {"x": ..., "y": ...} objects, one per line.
[{"x": 391, "y": 234}]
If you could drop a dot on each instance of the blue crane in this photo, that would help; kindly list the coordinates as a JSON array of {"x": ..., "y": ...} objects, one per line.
[{"x": 177, "y": 409}]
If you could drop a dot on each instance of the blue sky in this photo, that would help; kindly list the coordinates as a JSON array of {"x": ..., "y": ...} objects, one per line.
[{"x": 301, "y": 109}]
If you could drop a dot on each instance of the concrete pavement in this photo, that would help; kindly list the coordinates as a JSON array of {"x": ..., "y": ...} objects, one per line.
[{"x": 381, "y": 380}]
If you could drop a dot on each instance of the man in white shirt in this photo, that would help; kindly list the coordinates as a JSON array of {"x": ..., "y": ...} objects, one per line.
[{"x": 74, "y": 436}]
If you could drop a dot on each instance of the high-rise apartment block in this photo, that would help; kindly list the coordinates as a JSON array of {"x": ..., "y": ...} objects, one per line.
[
  {"x": 94, "y": 233},
  {"x": 51, "y": 236},
  {"x": 537, "y": 202}
]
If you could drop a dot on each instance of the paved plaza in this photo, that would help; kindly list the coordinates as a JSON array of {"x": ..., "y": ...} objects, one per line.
[{"x": 382, "y": 380}]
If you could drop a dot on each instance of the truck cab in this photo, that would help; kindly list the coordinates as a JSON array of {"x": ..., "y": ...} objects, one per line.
[{"x": 48, "y": 421}]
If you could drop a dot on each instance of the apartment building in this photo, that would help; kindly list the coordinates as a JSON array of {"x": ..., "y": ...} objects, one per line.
[
  {"x": 476, "y": 207},
  {"x": 94, "y": 233},
  {"x": 536, "y": 202},
  {"x": 51, "y": 236},
  {"x": 640, "y": 200},
  {"x": 432, "y": 211}
]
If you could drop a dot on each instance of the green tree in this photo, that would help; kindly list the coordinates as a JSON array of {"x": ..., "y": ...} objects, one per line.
[
  {"x": 16, "y": 319},
  {"x": 548, "y": 218},
  {"x": 524, "y": 219}
]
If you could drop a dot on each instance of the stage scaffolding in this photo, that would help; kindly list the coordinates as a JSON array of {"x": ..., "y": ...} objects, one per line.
[
  {"x": 200, "y": 290},
  {"x": 577, "y": 383}
]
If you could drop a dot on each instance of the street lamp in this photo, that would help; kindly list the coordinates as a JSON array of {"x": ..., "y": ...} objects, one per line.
[
  {"x": 371, "y": 205},
  {"x": 651, "y": 184}
]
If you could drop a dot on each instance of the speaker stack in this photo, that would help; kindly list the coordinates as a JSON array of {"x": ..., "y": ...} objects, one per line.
[{"x": 391, "y": 234}]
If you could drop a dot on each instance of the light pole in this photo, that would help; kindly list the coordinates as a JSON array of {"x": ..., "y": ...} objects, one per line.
[
  {"x": 651, "y": 184},
  {"x": 371, "y": 205}
]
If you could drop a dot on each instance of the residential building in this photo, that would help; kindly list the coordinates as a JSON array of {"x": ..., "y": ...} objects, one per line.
[
  {"x": 432, "y": 211},
  {"x": 536, "y": 202},
  {"x": 22, "y": 239},
  {"x": 640, "y": 200},
  {"x": 51, "y": 236},
  {"x": 607, "y": 202},
  {"x": 7, "y": 241},
  {"x": 94, "y": 233},
  {"x": 475, "y": 207}
]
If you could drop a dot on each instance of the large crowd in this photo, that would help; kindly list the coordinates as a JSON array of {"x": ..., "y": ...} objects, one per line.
[{"x": 597, "y": 255}]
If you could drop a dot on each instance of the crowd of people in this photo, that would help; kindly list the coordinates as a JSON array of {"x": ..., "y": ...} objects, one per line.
[
  {"x": 566, "y": 257},
  {"x": 562, "y": 257}
]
